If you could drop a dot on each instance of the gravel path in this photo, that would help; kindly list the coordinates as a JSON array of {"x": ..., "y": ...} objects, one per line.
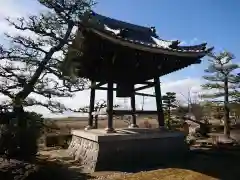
[{"x": 14, "y": 169}]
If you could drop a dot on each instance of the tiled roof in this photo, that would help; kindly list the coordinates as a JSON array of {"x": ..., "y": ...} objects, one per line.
[{"x": 141, "y": 35}]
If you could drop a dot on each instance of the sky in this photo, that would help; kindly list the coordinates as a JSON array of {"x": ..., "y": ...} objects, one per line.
[{"x": 192, "y": 22}]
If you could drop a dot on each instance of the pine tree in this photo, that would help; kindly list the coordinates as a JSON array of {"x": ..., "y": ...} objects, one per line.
[
  {"x": 236, "y": 93},
  {"x": 221, "y": 82},
  {"x": 169, "y": 102},
  {"x": 99, "y": 106},
  {"x": 30, "y": 63}
]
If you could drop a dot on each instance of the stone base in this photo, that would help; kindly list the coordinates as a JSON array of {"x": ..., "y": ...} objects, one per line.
[
  {"x": 97, "y": 150},
  {"x": 133, "y": 126},
  {"x": 88, "y": 127}
]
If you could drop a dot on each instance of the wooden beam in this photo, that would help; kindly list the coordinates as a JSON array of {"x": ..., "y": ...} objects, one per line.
[
  {"x": 128, "y": 112},
  {"x": 136, "y": 93},
  {"x": 109, "y": 128},
  {"x": 148, "y": 83},
  {"x": 143, "y": 94},
  {"x": 159, "y": 102},
  {"x": 96, "y": 86},
  {"x": 144, "y": 87},
  {"x": 105, "y": 88},
  {"x": 133, "y": 106},
  {"x": 91, "y": 107}
]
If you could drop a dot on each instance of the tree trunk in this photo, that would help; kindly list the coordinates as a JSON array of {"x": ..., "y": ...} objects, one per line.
[
  {"x": 169, "y": 117},
  {"x": 143, "y": 102},
  {"x": 19, "y": 114},
  {"x": 226, "y": 109},
  {"x": 96, "y": 122},
  {"x": 21, "y": 136}
]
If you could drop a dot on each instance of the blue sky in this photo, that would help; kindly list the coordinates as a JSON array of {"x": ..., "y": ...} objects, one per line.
[
  {"x": 191, "y": 21},
  {"x": 213, "y": 21}
]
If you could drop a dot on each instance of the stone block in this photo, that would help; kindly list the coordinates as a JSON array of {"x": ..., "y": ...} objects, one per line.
[{"x": 97, "y": 150}]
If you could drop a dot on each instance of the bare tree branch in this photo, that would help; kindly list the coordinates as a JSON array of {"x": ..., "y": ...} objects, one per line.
[{"x": 31, "y": 63}]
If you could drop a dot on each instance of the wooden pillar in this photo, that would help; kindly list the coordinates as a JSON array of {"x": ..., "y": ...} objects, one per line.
[
  {"x": 91, "y": 107},
  {"x": 133, "y": 106},
  {"x": 159, "y": 102},
  {"x": 110, "y": 128}
]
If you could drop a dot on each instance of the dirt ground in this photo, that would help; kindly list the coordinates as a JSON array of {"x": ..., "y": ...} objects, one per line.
[
  {"x": 66, "y": 124},
  {"x": 201, "y": 164}
]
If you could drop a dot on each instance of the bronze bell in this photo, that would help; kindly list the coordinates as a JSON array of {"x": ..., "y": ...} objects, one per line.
[{"x": 124, "y": 90}]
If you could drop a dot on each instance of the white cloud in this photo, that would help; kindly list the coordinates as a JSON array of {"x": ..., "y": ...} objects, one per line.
[
  {"x": 9, "y": 9},
  {"x": 15, "y": 9},
  {"x": 180, "y": 87},
  {"x": 183, "y": 43},
  {"x": 193, "y": 41},
  {"x": 190, "y": 42}
]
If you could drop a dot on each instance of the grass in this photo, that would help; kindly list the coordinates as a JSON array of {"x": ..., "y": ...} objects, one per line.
[
  {"x": 166, "y": 174},
  {"x": 65, "y": 125},
  {"x": 81, "y": 122},
  {"x": 58, "y": 130}
]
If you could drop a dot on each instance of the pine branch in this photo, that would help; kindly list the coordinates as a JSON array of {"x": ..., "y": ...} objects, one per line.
[
  {"x": 34, "y": 24},
  {"x": 213, "y": 95},
  {"x": 27, "y": 43},
  {"x": 222, "y": 75},
  {"x": 221, "y": 58},
  {"x": 235, "y": 95},
  {"x": 53, "y": 106},
  {"x": 65, "y": 9},
  {"x": 98, "y": 107},
  {"x": 208, "y": 86},
  {"x": 231, "y": 94},
  {"x": 214, "y": 78},
  {"x": 5, "y": 106},
  {"x": 36, "y": 64}
]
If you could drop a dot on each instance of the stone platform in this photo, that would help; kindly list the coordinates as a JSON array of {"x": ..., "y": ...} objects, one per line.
[{"x": 96, "y": 150}]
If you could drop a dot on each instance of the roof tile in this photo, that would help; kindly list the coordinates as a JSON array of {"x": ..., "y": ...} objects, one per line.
[{"x": 142, "y": 35}]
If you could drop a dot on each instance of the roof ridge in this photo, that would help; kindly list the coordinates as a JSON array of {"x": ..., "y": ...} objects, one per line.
[{"x": 132, "y": 25}]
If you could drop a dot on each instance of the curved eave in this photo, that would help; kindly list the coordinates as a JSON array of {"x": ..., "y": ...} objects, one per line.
[
  {"x": 174, "y": 42},
  {"x": 175, "y": 70},
  {"x": 194, "y": 47},
  {"x": 152, "y": 48}
]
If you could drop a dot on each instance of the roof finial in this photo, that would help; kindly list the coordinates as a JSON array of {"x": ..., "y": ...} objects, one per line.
[{"x": 153, "y": 29}]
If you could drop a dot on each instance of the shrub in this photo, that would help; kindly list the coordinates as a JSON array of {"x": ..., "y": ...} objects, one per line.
[
  {"x": 58, "y": 140},
  {"x": 147, "y": 124},
  {"x": 17, "y": 142}
]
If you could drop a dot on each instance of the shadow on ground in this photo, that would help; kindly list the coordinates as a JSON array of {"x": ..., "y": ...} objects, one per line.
[
  {"x": 57, "y": 170},
  {"x": 216, "y": 163},
  {"x": 219, "y": 163},
  {"x": 41, "y": 169}
]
